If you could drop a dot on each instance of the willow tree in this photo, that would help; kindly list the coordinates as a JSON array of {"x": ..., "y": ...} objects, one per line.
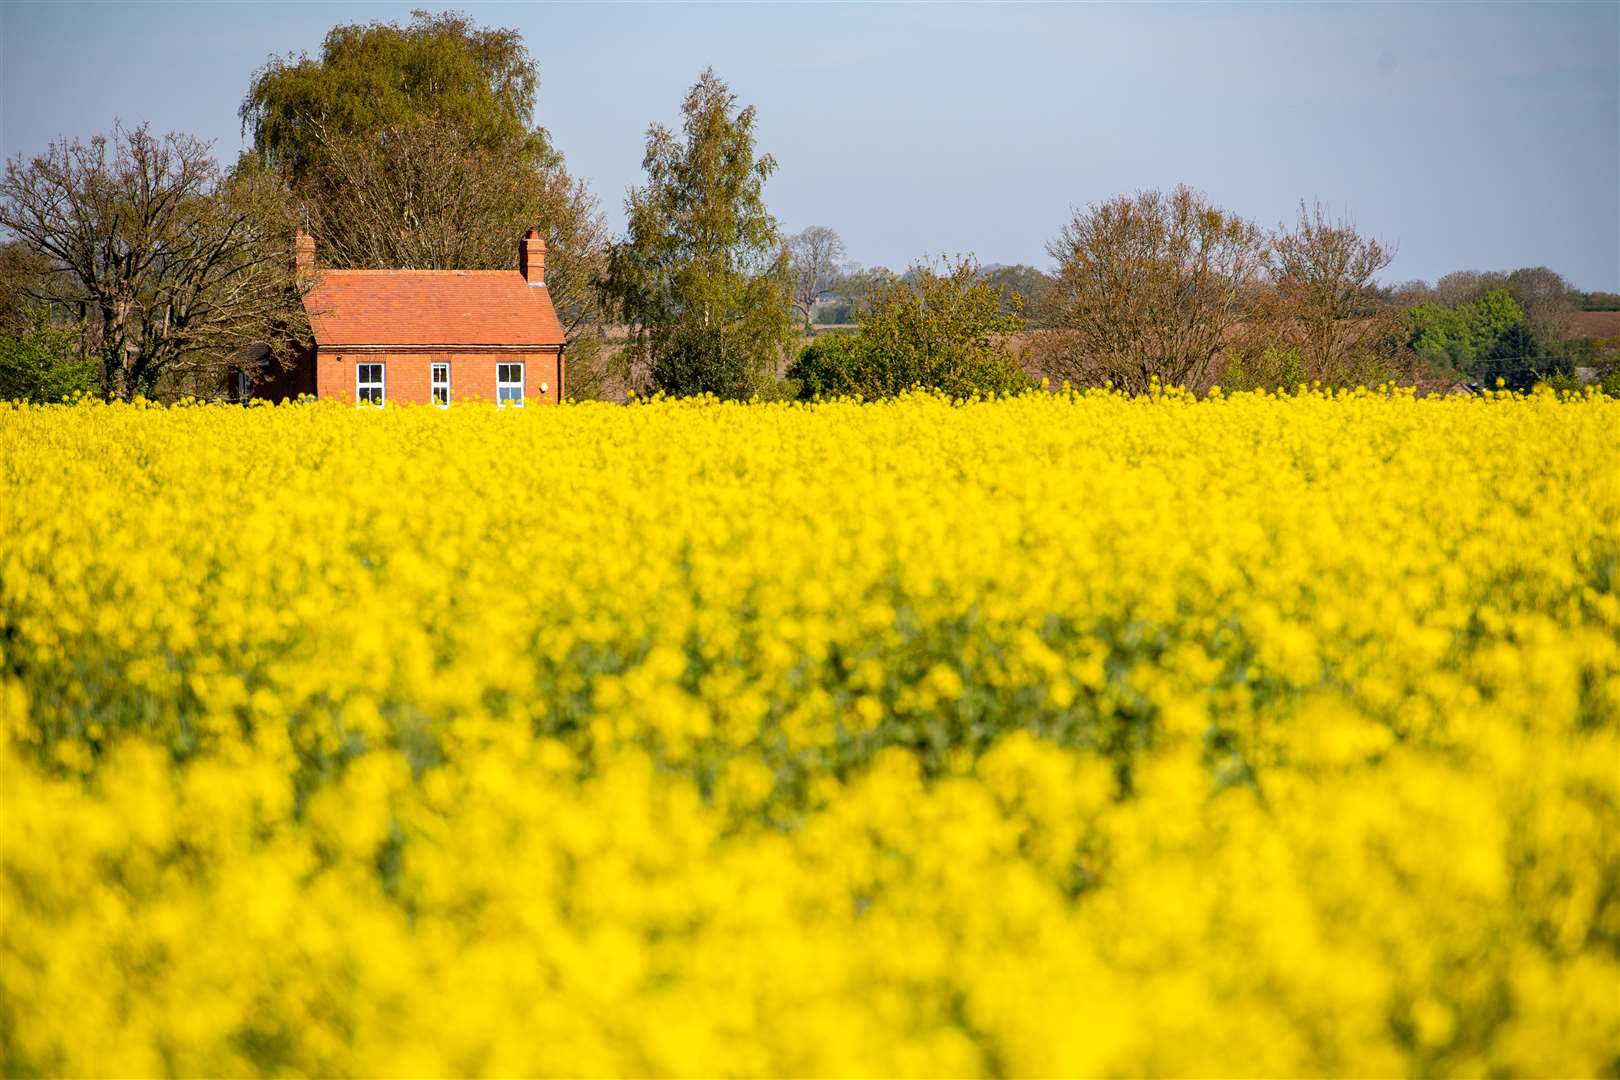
[
  {"x": 702, "y": 274},
  {"x": 374, "y": 76}
]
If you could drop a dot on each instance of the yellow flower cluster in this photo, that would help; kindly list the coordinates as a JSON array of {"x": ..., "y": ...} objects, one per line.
[{"x": 1062, "y": 734}]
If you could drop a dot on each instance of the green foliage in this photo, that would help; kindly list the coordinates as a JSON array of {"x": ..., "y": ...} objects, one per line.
[
  {"x": 836, "y": 312},
  {"x": 1438, "y": 334},
  {"x": 702, "y": 277},
  {"x": 1461, "y": 337},
  {"x": 1492, "y": 316},
  {"x": 1489, "y": 339},
  {"x": 38, "y": 364},
  {"x": 1560, "y": 383},
  {"x": 837, "y": 365},
  {"x": 943, "y": 330},
  {"x": 375, "y": 76},
  {"x": 859, "y": 286},
  {"x": 1276, "y": 367},
  {"x": 1577, "y": 352},
  {"x": 1025, "y": 292},
  {"x": 697, "y": 359}
]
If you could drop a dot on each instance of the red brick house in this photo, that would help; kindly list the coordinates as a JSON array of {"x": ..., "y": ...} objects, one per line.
[{"x": 428, "y": 336}]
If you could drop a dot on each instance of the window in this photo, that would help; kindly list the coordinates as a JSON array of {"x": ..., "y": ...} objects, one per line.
[
  {"x": 369, "y": 384},
  {"x": 441, "y": 385},
  {"x": 509, "y": 384},
  {"x": 244, "y": 386}
]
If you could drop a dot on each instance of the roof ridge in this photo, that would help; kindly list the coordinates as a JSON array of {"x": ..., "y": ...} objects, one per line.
[{"x": 411, "y": 270}]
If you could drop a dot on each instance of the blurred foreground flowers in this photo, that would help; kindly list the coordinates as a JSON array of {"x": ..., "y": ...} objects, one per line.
[{"x": 1066, "y": 734}]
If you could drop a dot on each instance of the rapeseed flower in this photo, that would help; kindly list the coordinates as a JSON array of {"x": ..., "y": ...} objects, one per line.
[{"x": 1064, "y": 734}]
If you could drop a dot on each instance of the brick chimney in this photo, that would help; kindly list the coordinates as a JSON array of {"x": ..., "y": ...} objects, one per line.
[
  {"x": 303, "y": 253},
  {"x": 532, "y": 258}
]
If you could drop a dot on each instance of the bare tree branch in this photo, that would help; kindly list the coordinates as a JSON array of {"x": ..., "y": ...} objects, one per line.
[
  {"x": 176, "y": 267},
  {"x": 815, "y": 257},
  {"x": 1148, "y": 287}
]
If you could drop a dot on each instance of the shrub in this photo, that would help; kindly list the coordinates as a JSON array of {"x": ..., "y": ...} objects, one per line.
[
  {"x": 937, "y": 329},
  {"x": 37, "y": 364},
  {"x": 1274, "y": 368},
  {"x": 838, "y": 365},
  {"x": 694, "y": 359}
]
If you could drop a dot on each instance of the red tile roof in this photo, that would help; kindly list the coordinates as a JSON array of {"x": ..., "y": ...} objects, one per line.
[{"x": 431, "y": 307}]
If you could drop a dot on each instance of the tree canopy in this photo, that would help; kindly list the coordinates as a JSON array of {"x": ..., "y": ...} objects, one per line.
[
  {"x": 1149, "y": 286},
  {"x": 374, "y": 76},
  {"x": 702, "y": 274}
]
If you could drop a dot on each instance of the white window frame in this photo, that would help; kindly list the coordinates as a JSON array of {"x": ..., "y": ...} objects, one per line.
[
  {"x": 381, "y": 385},
  {"x": 434, "y": 384},
  {"x": 507, "y": 384}
]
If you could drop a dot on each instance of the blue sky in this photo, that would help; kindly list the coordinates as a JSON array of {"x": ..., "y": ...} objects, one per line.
[{"x": 1471, "y": 136}]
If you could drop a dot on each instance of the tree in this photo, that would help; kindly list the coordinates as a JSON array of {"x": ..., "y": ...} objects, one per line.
[
  {"x": 1486, "y": 339},
  {"x": 168, "y": 265},
  {"x": 1023, "y": 290},
  {"x": 1406, "y": 294},
  {"x": 372, "y": 77},
  {"x": 1465, "y": 286},
  {"x": 1548, "y": 302},
  {"x": 1148, "y": 286},
  {"x": 701, "y": 276},
  {"x": 858, "y": 285},
  {"x": 944, "y": 329},
  {"x": 23, "y": 276},
  {"x": 1324, "y": 299},
  {"x": 415, "y": 146},
  {"x": 814, "y": 259}
]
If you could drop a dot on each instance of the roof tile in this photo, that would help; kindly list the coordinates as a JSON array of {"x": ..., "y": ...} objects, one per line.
[{"x": 431, "y": 307}]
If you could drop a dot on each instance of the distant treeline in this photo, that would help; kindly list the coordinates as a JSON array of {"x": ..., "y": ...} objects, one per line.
[{"x": 417, "y": 145}]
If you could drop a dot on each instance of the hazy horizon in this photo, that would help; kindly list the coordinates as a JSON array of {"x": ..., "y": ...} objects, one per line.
[{"x": 1471, "y": 136}]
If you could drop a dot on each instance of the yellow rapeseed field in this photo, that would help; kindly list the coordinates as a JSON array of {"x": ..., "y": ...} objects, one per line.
[{"x": 1064, "y": 734}]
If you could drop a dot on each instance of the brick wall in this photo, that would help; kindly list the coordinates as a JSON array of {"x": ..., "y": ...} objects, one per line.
[{"x": 409, "y": 378}]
